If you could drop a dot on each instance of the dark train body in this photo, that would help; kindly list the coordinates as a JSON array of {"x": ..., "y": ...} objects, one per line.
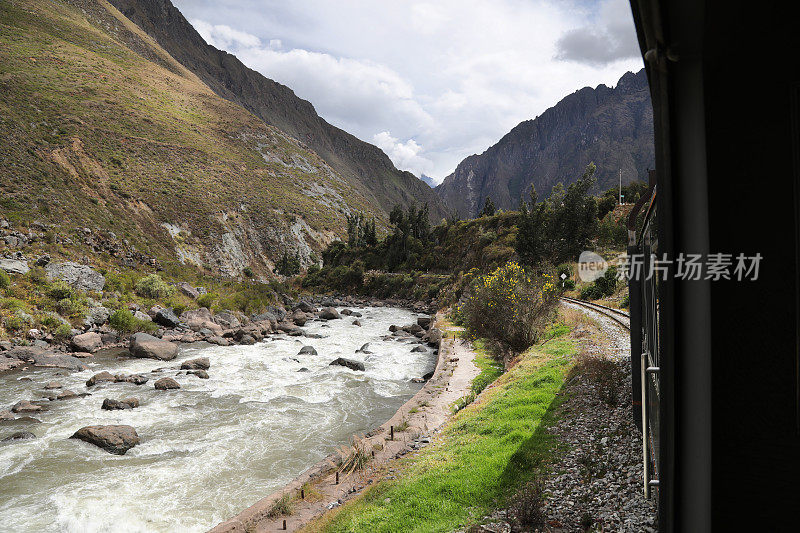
[{"x": 720, "y": 371}]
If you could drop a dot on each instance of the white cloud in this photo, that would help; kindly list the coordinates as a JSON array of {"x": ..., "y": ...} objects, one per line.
[
  {"x": 446, "y": 78},
  {"x": 405, "y": 155}
]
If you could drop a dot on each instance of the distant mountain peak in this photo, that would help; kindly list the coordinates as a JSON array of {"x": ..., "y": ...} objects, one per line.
[{"x": 611, "y": 127}]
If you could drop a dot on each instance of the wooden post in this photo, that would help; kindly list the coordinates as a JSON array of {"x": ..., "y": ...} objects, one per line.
[
  {"x": 284, "y": 524},
  {"x": 302, "y": 494},
  {"x": 337, "y": 477},
  {"x": 391, "y": 430}
]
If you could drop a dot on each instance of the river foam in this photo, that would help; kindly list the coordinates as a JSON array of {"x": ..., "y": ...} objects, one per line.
[{"x": 211, "y": 448}]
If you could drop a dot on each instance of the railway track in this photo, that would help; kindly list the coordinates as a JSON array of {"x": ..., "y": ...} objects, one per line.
[{"x": 620, "y": 317}]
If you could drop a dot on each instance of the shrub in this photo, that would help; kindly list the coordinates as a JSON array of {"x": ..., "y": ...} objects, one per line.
[
  {"x": 62, "y": 332},
  {"x": 608, "y": 377},
  {"x": 248, "y": 272},
  {"x": 123, "y": 321},
  {"x": 569, "y": 285},
  {"x": 15, "y": 323},
  {"x": 528, "y": 506},
  {"x": 510, "y": 306},
  {"x": 5, "y": 281},
  {"x": 564, "y": 268},
  {"x": 154, "y": 287},
  {"x": 38, "y": 275},
  {"x": 207, "y": 300},
  {"x": 60, "y": 291}
]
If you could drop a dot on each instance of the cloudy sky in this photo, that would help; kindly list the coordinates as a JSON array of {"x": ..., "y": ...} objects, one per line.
[{"x": 430, "y": 82}]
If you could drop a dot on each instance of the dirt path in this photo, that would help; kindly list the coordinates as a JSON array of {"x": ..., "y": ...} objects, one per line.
[{"x": 415, "y": 426}]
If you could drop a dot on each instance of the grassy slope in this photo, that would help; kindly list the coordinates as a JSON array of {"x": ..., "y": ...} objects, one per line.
[
  {"x": 96, "y": 135},
  {"x": 486, "y": 451}
]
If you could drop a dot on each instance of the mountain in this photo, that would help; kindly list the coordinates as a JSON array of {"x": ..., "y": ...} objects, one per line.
[
  {"x": 363, "y": 164},
  {"x": 612, "y": 127},
  {"x": 427, "y": 180},
  {"x": 106, "y": 134}
]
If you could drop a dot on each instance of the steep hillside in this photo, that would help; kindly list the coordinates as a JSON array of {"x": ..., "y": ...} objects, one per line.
[
  {"x": 363, "y": 164},
  {"x": 612, "y": 127},
  {"x": 103, "y": 129}
]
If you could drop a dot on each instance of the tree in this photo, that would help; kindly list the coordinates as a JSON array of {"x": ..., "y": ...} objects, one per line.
[
  {"x": 488, "y": 208},
  {"x": 530, "y": 241}
]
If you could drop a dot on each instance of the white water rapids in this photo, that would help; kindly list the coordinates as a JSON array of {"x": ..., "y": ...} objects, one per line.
[{"x": 209, "y": 449}]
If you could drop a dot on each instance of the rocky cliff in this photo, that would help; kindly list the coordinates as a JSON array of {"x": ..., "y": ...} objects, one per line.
[
  {"x": 612, "y": 127},
  {"x": 364, "y": 165},
  {"x": 106, "y": 135}
]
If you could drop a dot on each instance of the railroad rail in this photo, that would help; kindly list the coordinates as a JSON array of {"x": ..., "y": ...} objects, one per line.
[{"x": 620, "y": 317}]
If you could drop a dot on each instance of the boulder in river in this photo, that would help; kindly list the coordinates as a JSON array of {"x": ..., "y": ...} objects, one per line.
[
  {"x": 202, "y": 374},
  {"x": 219, "y": 341},
  {"x": 199, "y": 319},
  {"x": 86, "y": 342},
  {"x": 45, "y": 358},
  {"x": 53, "y": 385},
  {"x": 329, "y": 313},
  {"x": 19, "y": 435},
  {"x": 299, "y": 318},
  {"x": 357, "y": 322},
  {"x": 424, "y": 321},
  {"x": 136, "y": 379},
  {"x": 247, "y": 340},
  {"x": 304, "y": 306},
  {"x": 201, "y": 363},
  {"x": 146, "y": 346},
  {"x": 67, "y": 395},
  {"x": 419, "y": 349},
  {"x": 110, "y": 404},
  {"x": 166, "y": 384},
  {"x": 349, "y": 363},
  {"x": 80, "y": 277},
  {"x": 6, "y": 415},
  {"x": 113, "y": 439},
  {"x": 102, "y": 376},
  {"x": 307, "y": 350},
  {"x": 167, "y": 318},
  {"x": 24, "y": 406}
]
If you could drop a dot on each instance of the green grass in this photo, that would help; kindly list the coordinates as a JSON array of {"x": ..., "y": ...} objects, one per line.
[{"x": 488, "y": 450}]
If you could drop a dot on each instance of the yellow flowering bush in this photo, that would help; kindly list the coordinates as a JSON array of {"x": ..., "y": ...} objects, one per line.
[{"x": 510, "y": 306}]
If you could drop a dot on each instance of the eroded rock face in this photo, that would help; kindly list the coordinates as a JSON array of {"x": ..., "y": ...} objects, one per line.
[
  {"x": 14, "y": 266},
  {"x": 146, "y": 346},
  {"x": 348, "y": 363},
  {"x": 113, "y": 439},
  {"x": 166, "y": 384},
  {"x": 77, "y": 276},
  {"x": 87, "y": 342}
]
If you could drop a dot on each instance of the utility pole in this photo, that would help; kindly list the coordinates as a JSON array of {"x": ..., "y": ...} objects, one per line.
[{"x": 620, "y": 186}]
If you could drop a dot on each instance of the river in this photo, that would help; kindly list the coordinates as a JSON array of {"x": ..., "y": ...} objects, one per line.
[{"x": 209, "y": 449}]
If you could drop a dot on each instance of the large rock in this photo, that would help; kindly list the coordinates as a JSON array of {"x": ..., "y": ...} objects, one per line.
[
  {"x": 113, "y": 439},
  {"x": 142, "y": 316},
  {"x": 166, "y": 384},
  {"x": 307, "y": 350},
  {"x": 13, "y": 266},
  {"x": 24, "y": 406},
  {"x": 202, "y": 374},
  {"x": 188, "y": 290},
  {"x": 201, "y": 363},
  {"x": 146, "y": 346},
  {"x": 433, "y": 336},
  {"x": 43, "y": 357},
  {"x": 99, "y": 378},
  {"x": 19, "y": 435},
  {"x": 329, "y": 313},
  {"x": 299, "y": 318},
  {"x": 198, "y": 319},
  {"x": 424, "y": 321},
  {"x": 349, "y": 363},
  {"x": 97, "y": 316},
  {"x": 87, "y": 342},
  {"x": 167, "y": 318},
  {"x": 110, "y": 404},
  {"x": 305, "y": 307},
  {"x": 227, "y": 320},
  {"x": 77, "y": 276}
]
